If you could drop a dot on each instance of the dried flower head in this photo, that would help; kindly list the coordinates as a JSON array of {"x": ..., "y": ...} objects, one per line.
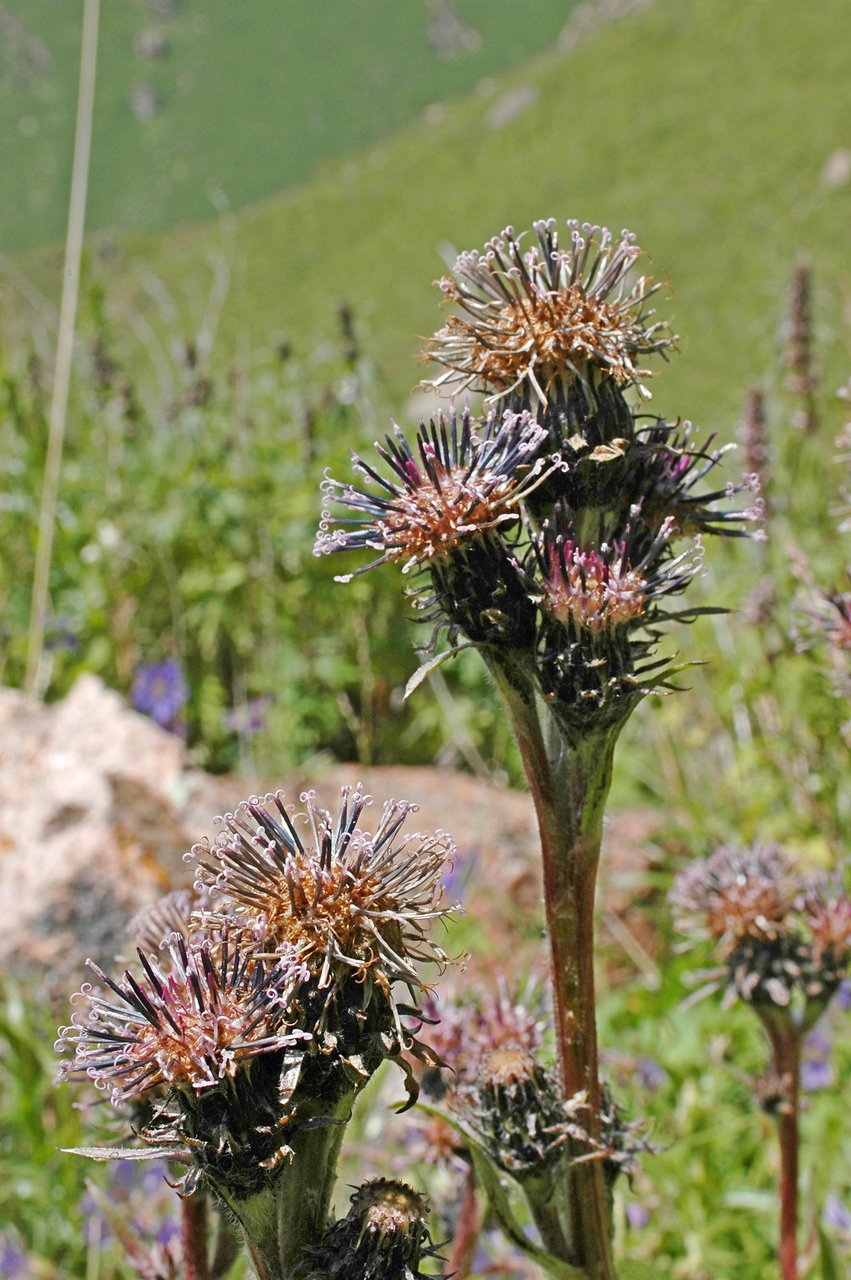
[
  {"x": 352, "y": 904},
  {"x": 187, "y": 1025},
  {"x": 785, "y": 944},
  {"x": 827, "y": 911},
  {"x": 384, "y": 1236},
  {"x": 529, "y": 321},
  {"x": 737, "y": 894},
  {"x": 455, "y": 487},
  {"x": 756, "y": 454},
  {"x": 799, "y": 341},
  {"x": 478, "y": 1023}
]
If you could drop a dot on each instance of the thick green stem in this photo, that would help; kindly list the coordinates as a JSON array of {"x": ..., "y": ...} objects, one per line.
[
  {"x": 293, "y": 1211},
  {"x": 569, "y": 783}
]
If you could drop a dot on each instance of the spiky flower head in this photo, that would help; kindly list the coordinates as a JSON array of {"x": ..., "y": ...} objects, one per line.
[
  {"x": 478, "y": 1022},
  {"x": 351, "y": 903},
  {"x": 515, "y": 1106},
  {"x": 384, "y": 1236},
  {"x": 151, "y": 927},
  {"x": 785, "y": 942},
  {"x": 612, "y": 585},
  {"x": 188, "y": 1024},
  {"x": 453, "y": 487},
  {"x": 736, "y": 894},
  {"x": 528, "y": 322}
]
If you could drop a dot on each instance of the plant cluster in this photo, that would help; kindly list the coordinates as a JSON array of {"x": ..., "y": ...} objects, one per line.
[
  {"x": 553, "y": 537},
  {"x": 240, "y": 1043}
]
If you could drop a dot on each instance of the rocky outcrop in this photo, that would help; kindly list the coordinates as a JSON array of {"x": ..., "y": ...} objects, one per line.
[{"x": 98, "y": 805}]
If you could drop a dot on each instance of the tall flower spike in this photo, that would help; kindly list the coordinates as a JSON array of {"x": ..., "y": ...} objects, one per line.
[
  {"x": 189, "y": 1025},
  {"x": 454, "y": 487},
  {"x": 352, "y": 904},
  {"x": 528, "y": 320}
]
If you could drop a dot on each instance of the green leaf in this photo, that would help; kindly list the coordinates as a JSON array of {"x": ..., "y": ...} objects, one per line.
[
  {"x": 426, "y": 669},
  {"x": 490, "y": 1180},
  {"x": 830, "y": 1265}
]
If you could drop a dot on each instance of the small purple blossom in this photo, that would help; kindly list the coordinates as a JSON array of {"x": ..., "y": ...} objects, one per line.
[
  {"x": 650, "y": 1073},
  {"x": 159, "y": 691},
  {"x": 249, "y": 718},
  {"x": 638, "y": 1215},
  {"x": 168, "y": 1231},
  {"x": 13, "y": 1261},
  {"x": 844, "y": 996},
  {"x": 836, "y": 1213},
  {"x": 816, "y": 1075},
  {"x": 816, "y": 1071}
]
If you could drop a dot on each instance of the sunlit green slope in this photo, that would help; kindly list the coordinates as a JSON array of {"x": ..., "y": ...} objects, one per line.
[
  {"x": 704, "y": 125},
  {"x": 199, "y": 99}
]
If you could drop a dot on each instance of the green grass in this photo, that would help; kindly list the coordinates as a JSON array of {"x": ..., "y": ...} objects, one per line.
[
  {"x": 703, "y": 125},
  {"x": 251, "y": 97}
]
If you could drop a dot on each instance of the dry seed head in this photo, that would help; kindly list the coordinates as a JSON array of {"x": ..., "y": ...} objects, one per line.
[
  {"x": 529, "y": 320},
  {"x": 349, "y": 902},
  {"x": 737, "y": 894}
]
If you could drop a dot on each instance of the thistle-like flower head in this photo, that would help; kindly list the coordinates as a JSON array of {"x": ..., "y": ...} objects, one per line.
[
  {"x": 527, "y": 321},
  {"x": 611, "y": 585},
  {"x": 451, "y": 489},
  {"x": 785, "y": 943},
  {"x": 352, "y": 904},
  {"x": 189, "y": 1024},
  {"x": 737, "y": 894},
  {"x": 827, "y": 911},
  {"x": 384, "y": 1236}
]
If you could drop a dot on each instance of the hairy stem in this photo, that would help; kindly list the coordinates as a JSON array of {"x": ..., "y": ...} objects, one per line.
[
  {"x": 293, "y": 1211},
  {"x": 194, "y": 1237},
  {"x": 569, "y": 783}
]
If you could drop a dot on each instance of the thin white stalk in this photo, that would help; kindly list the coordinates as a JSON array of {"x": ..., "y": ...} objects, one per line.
[{"x": 64, "y": 344}]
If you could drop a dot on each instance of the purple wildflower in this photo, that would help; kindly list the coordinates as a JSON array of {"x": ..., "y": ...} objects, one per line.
[
  {"x": 650, "y": 1073},
  {"x": 638, "y": 1215},
  {"x": 815, "y": 1074},
  {"x": 249, "y": 718},
  {"x": 13, "y": 1261},
  {"x": 835, "y": 1213},
  {"x": 159, "y": 691}
]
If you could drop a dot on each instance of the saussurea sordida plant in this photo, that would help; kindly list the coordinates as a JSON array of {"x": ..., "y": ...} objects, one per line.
[
  {"x": 784, "y": 946},
  {"x": 256, "y": 1013},
  {"x": 554, "y": 536}
]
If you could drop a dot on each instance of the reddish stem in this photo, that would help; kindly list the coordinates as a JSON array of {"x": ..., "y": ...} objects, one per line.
[
  {"x": 193, "y": 1237},
  {"x": 786, "y": 1048},
  {"x": 569, "y": 788},
  {"x": 467, "y": 1231}
]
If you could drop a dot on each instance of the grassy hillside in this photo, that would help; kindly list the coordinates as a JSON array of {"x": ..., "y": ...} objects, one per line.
[
  {"x": 704, "y": 125},
  {"x": 243, "y": 98}
]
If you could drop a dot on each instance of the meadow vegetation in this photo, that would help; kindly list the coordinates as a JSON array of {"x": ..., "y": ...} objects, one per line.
[{"x": 204, "y": 416}]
